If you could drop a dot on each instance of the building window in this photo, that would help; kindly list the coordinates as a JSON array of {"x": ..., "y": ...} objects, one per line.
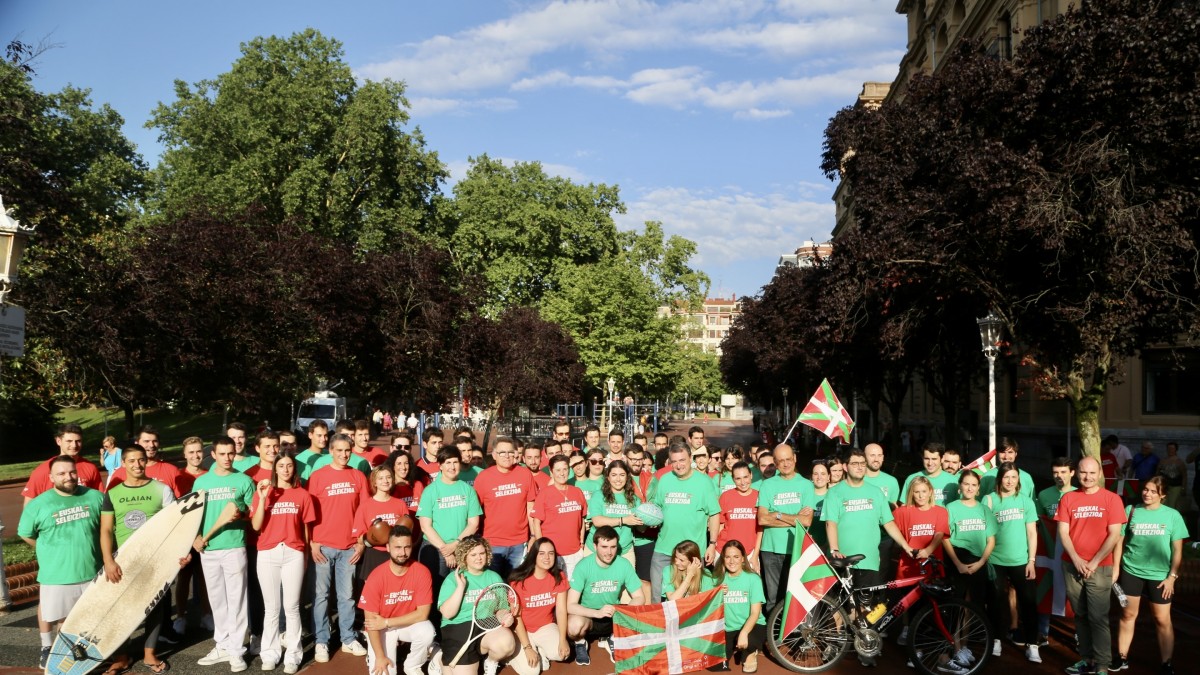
[{"x": 1167, "y": 388}]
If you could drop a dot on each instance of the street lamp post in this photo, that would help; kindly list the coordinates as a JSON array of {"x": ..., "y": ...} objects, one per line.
[
  {"x": 989, "y": 334},
  {"x": 787, "y": 408}
]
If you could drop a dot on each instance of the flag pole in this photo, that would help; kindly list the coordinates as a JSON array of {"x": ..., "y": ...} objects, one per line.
[{"x": 789, "y": 433}]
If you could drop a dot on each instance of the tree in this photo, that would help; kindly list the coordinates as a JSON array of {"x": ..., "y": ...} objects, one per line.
[
  {"x": 525, "y": 231},
  {"x": 699, "y": 376},
  {"x": 289, "y": 129},
  {"x": 1055, "y": 189}
]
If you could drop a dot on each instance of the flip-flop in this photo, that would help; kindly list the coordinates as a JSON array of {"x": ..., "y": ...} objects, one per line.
[
  {"x": 118, "y": 669},
  {"x": 158, "y": 668}
]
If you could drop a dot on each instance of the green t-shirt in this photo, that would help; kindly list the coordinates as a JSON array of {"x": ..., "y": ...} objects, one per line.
[
  {"x": 66, "y": 528},
  {"x": 1148, "y": 538},
  {"x": 1012, "y": 542},
  {"x": 618, "y": 509},
  {"x": 325, "y": 459},
  {"x": 668, "y": 586},
  {"x": 1048, "y": 500},
  {"x": 887, "y": 484},
  {"x": 590, "y": 486},
  {"x": 742, "y": 591},
  {"x": 236, "y": 488},
  {"x": 133, "y": 506},
  {"x": 945, "y": 487},
  {"x": 449, "y": 505},
  {"x": 599, "y": 585},
  {"x": 970, "y": 526},
  {"x": 476, "y": 583},
  {"x": 687, "y": 505},
  {"x": 859, "y": 512},
  {"x": 787, "y": 496},
  {"x": 248, "y": 462},
  {"x": 987, "y": 482},
  {"x": 817, "y": 529}
]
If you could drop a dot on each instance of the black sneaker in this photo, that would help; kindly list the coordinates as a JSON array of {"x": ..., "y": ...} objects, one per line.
[
  {"x": 1014, "y": 636},
  {"x": 44, "y": 658},
  {"x": 1043, "y": 641},
  {"x": 1167, "y": 669},
  {"x": 581, "y": 653},
  {"x": 169, "y": 636},
  {"x": 1119, "y": 663}
]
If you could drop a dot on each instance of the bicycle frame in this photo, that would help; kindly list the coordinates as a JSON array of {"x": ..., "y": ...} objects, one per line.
[{"x": 905, "y": 603}]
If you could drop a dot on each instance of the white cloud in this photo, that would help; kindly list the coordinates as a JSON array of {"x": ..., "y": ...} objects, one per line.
[
  {"x": 731, "y": 225},
  {"x": 425, "y": 106},
  {"x": 627, "y": 47},
  {"x": 757, "y": 114}
]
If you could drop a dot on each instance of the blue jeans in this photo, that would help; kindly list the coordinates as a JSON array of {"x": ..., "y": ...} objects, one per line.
[
  {"x": 507, "y": 558},
  {"x": 337, "y": 564}
]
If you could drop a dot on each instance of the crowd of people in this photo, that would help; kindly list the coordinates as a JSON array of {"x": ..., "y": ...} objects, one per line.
[{"x": 398, "y": 543}]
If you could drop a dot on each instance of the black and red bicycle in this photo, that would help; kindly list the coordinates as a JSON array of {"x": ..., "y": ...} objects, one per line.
[{"x": 946, "y": 637}]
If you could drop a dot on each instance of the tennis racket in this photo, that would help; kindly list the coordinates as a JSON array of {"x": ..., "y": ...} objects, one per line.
[{"x": 493, "y": 603}]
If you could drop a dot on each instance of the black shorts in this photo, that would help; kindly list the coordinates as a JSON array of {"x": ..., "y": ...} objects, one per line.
[
  {"x": 601, "y": 628},
  {"x": 1137, "y": 587},
  {"x": 758, "y": 635},
  {"x": 454, "y": 636}
]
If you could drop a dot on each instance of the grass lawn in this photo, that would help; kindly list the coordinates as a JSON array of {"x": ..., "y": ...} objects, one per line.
[
  {"x": 173, "y": 426},
  {"x": 17, "y": 551}
]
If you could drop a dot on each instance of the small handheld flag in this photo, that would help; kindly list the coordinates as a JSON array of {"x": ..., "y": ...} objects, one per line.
[
  {"x": 825, "y": 413},
  {"x": 984, "y": 463}
]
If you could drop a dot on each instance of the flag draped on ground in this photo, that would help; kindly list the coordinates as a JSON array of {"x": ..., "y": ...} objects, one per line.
[
  {"x": 825, "y": 413},
  {"x": 1051, "y": 582},
  {"x": 986, "y": 462},
  {"x": 809, "y": 579},
  {"x": 677, "y": 636}
]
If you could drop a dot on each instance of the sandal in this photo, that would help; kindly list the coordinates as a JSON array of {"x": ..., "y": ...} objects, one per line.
[
  {"x": 158, "y": 668},
  {"x": 118, "y": 667}
]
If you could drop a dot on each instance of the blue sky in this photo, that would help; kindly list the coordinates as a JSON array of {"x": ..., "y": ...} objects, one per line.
[{"x": 709, "y": 115}]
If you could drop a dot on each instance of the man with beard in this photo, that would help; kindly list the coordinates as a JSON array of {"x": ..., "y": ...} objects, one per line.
[
  {"x": 62, "y": 525},
  {"x": 395, "y": 600}
]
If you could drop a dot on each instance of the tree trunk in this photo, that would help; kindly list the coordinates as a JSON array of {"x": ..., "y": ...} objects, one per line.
[{"x": 1086, "y": 398}]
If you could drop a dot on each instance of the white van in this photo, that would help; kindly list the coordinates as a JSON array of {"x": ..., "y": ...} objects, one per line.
[{"x": 326, "y": 406}]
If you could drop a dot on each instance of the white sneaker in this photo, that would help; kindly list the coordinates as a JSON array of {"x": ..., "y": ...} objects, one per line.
[
  {"x": 606, "y": 645},
  {"x": 903, "y": 639},
  {"x": 952, "y": 667},
  {"x": 435, "y": 660},
  {"x": 964, "y": 657},
  {"x": 995, "y": 648},
  {"x": 1032, "y": 654},
  {"x": 180, "y": 625},
  {"x": 217, "y": 655},
  {"x": 236, "y": 664},
  {"x": 354, "y": 649},
  {"x": 291, "y": 668},
  {"x": 490, "y": 667},
  {"x": 269, "y": 665},
  {"x": 321, "y": 653}
]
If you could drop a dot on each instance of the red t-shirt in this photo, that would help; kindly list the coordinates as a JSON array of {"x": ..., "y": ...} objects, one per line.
[
  {"x": 186, "y": 481},
  {"x": 257, "y": 473},
  {"x": 391, "y": 596},
  {"x": 1088, "y": 518},
  {"x": 1108, "y": 465},
  {"x": 430, "y": 468},
  {"x": 505, "y": 498},
  {"x": 89, "y": 475},
  {"x": 541, "y": 481},
  {"x": 371, "y": 509},
  {"x": 374, "y": 456},
  {"x": 739, "y": 519},
  {"x": 537, "y": 599},
  {"x": 288, "y": 511},
  {"x": 562, "y": 513},
  {"x": 167, "y": 474},
  {"x": 918, "y": 529},
  {"x": 337, "y": 494},
  {"x": 410, "y": 494}
]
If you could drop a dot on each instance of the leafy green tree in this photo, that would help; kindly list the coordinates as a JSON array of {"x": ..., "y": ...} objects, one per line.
[
  {"x": 525, "y": 231},
  {"x": 289, "y": 128},
  {"x": 699, "y": 376}
]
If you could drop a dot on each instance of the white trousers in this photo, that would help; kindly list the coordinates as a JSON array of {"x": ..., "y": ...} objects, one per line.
[
  {"x": 545, "y": 641},
  {"x": 225, "y": 577},
  {"x": 281, "y": 568},
  {"x": 419, "y": 637}
]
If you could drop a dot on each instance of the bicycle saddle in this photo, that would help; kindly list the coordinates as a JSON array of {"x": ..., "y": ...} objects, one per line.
[{"x": 848, "y": 561}]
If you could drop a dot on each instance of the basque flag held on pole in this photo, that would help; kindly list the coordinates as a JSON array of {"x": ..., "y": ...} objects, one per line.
[
  {"x": 984, "y": 463},
  {"x": 826, "y": 414},
  {"x": 809, "y": 579},
  {"x": 677, "y": 636}
]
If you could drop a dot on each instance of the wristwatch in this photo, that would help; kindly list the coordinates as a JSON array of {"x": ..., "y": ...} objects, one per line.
[
  {"x": 1174, "y": 575},
  {"x": 778, "y": 516}
]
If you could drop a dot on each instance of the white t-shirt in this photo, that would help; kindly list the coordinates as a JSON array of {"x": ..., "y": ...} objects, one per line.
[{"x": 1124, "y": 457}]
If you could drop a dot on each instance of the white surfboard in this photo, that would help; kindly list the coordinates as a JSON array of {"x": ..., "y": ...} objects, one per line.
[{"x": 107, "y": 613}]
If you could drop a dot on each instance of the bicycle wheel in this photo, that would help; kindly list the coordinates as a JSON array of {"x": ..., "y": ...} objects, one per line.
[
  {"x": 816, "y": 644},
  {"x": 950, "y": 638}
]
